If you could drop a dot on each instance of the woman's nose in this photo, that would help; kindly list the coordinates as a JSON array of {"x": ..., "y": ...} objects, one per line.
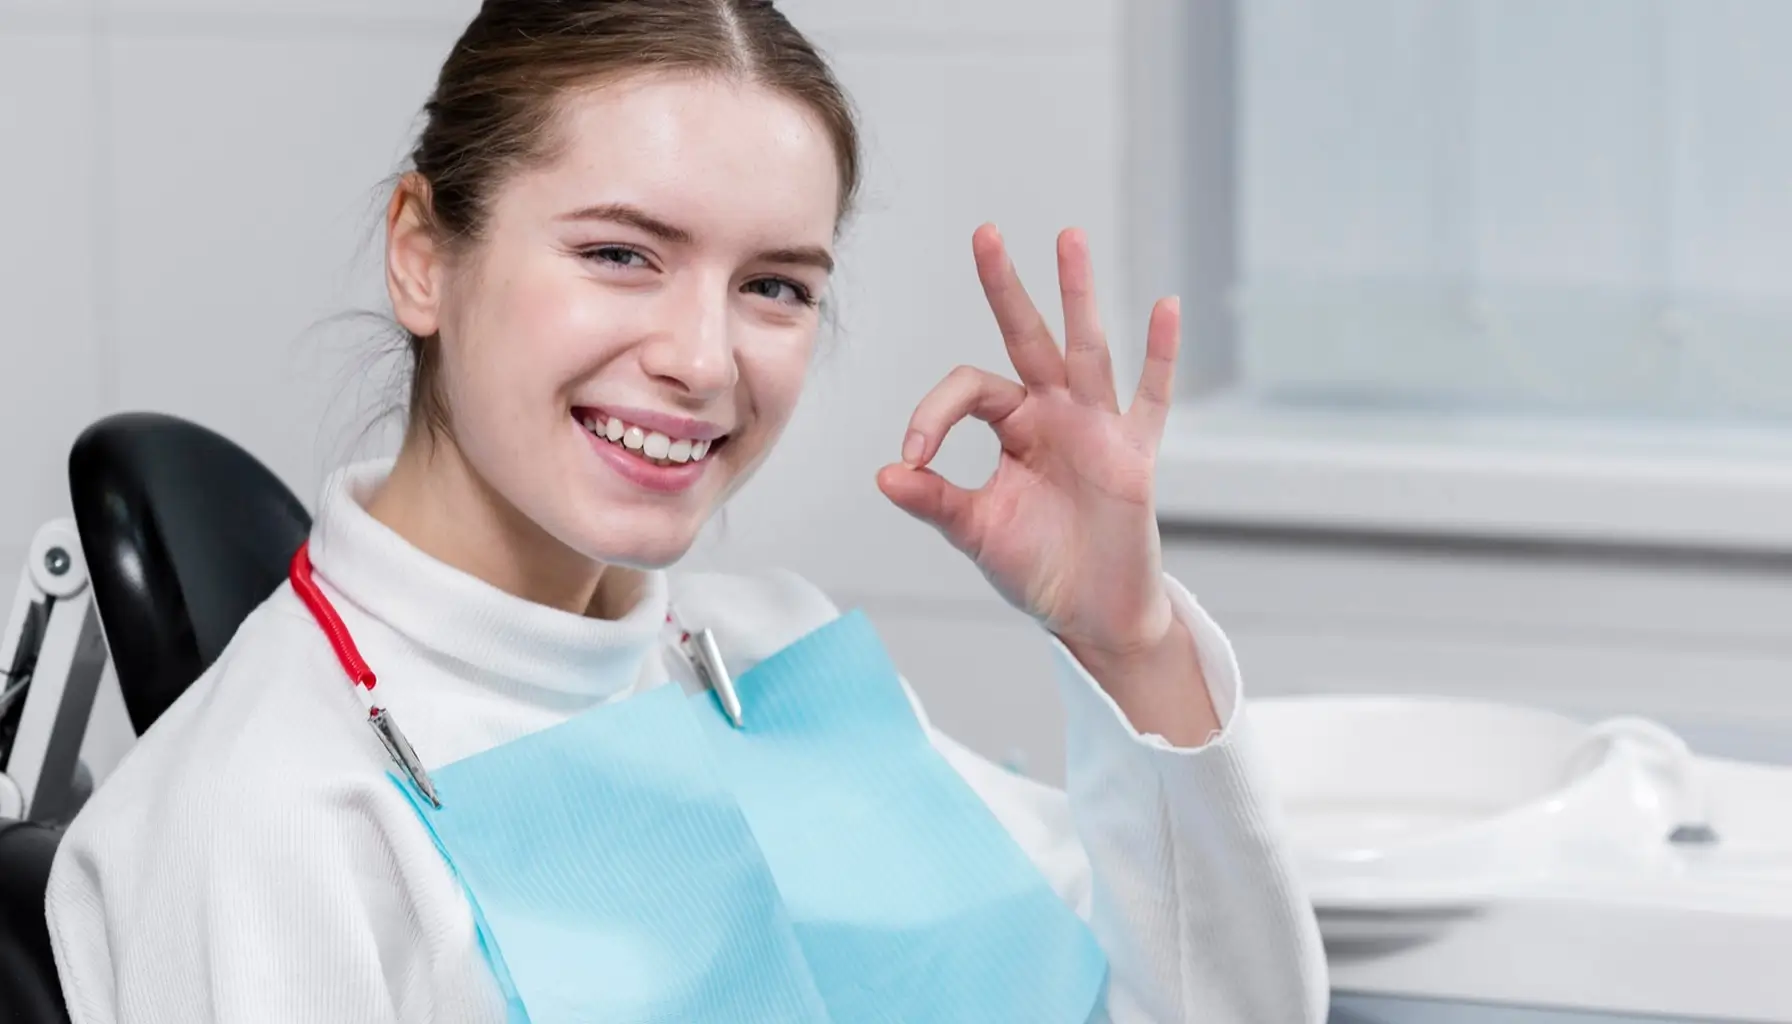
[{"x": 694, "y": 351}]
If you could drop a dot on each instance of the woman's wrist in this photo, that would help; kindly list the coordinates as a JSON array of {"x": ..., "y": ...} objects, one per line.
[{"x": 1161, "y": 688}]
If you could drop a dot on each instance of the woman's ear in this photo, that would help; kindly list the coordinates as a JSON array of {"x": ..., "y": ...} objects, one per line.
[{"x": 414, "y": 265}]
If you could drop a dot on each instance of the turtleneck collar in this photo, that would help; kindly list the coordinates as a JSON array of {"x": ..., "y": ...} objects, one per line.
[{"x": 454, "y": 614}]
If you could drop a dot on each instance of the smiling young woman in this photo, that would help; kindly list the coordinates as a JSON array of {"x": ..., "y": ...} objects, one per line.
[{"x": 608, "y": 257}]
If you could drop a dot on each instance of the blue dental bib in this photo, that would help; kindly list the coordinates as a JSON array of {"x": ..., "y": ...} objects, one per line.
[{"x": 646, "y": 861}]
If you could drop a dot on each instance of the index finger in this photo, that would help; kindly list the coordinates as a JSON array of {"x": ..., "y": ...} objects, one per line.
[
  {"x": 966, "y": 391},
  {"x": 1030, "y": 346}
]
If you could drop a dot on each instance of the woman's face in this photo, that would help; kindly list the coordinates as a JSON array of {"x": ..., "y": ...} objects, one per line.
[{"x": 630, "y": 337}]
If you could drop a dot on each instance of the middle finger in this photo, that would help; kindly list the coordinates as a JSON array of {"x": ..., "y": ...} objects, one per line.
[{"x": 1031, "y": 349}]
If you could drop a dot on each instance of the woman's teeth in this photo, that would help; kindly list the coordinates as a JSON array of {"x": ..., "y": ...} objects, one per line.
[{"x": 651, "y": 445}]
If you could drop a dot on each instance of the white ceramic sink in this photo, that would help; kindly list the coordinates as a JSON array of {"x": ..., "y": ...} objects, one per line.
[
  {"x": 1491, "y": 854},
  {"x": 1397, "y": 800}
]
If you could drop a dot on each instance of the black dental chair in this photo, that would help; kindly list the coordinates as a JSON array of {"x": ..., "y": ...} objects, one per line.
[{"x": 184, "y": 535}]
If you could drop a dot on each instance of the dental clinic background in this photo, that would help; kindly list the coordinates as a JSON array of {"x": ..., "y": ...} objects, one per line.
[{"x": 1488, "y": 389}]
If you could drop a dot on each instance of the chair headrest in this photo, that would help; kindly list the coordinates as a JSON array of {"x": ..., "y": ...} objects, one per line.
[
  {"x": 184, "y": 533},
  {"x": 29, "y": 991}
]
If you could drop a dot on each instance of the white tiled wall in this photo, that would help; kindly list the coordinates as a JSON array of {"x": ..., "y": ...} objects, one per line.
[
  {"x": 246, "y": 182},
  {"x": 49, "y": 292},
  {"x": 1699, "y": 645}
]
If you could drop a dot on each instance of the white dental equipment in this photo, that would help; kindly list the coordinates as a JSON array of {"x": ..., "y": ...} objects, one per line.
[
  {"x": 1482, "y": 856},
  {"x": 52, "y": 655}
]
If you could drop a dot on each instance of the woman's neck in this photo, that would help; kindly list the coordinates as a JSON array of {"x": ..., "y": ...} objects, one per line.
[{"x": 434, "y": 500}]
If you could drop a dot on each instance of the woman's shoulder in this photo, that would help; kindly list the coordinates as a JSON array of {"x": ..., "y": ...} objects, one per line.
[
  {"x": 254, "y": 819},
  {"x": 753, "y": 614},
  {"x": 265, "y": 706},
  {"x": 252, "y": 739}
]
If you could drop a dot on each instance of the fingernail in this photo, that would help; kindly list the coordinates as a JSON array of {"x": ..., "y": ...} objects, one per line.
[{"x": 912, "y": 447}]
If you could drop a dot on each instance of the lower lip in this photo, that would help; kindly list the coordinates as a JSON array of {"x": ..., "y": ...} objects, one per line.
[{"x": 672, "y": 479}]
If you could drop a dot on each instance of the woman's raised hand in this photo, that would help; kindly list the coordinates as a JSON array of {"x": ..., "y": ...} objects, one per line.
[{"x": 1066, "y": 529}]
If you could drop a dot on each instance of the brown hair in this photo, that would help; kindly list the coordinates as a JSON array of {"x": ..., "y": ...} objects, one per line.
[{"x": 495, "y": 102}]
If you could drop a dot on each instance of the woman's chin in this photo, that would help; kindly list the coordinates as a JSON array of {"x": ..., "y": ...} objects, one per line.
[{"x": 654, "y": 548}]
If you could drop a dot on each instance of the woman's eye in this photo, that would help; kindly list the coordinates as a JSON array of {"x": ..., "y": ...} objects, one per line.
[
  {"x": 778, "y": 289},
  {"x": 616, "y": 255}
]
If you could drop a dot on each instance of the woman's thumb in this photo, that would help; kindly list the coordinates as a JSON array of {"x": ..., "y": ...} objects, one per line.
[{"x": 931, "y": 498}]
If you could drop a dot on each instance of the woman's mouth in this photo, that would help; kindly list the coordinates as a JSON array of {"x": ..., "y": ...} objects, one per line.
[{"x": 649, "y": 446}]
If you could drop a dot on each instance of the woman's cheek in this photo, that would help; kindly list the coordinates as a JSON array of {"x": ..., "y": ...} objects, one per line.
[{"x": 781, "y": 386}]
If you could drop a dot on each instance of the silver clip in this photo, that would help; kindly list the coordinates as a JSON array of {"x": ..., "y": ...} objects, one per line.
[
  {"x": 392, "y": 737},
  {"x": 707, "y": 656}
]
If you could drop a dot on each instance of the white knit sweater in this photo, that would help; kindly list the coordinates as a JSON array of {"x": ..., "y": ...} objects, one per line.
[{"x": 249, "y": 863}]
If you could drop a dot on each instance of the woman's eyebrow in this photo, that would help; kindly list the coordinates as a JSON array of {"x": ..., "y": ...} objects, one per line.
[
  {"x": 806, "y": 256},
  {"x": 634, "y": 216},
  {"x": 672, "y": 234}
]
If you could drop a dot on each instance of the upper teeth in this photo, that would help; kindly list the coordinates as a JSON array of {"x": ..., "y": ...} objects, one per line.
[{"x": 650, "y": 443}]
